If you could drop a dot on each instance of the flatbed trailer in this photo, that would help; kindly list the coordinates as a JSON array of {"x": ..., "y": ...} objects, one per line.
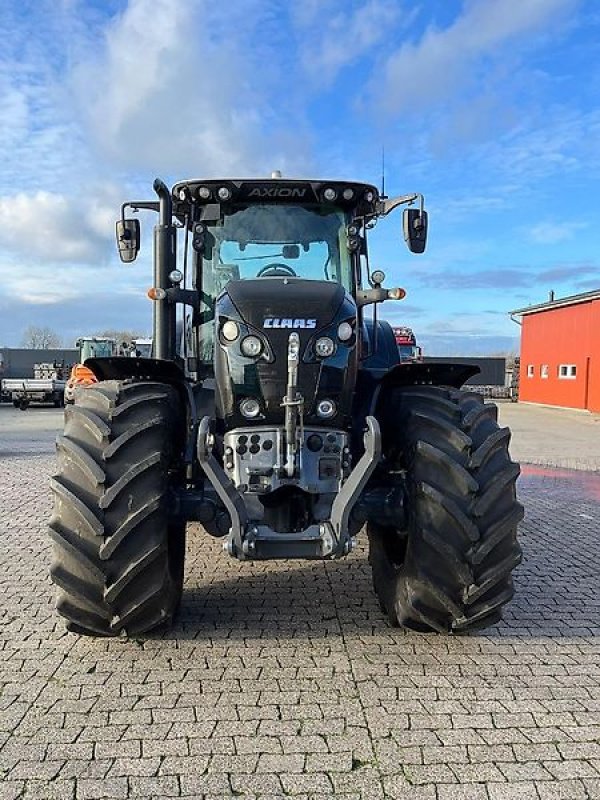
[{"x": 24, "y": 391}]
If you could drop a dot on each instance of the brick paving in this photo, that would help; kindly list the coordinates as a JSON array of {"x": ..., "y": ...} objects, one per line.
[{"x": 283, "y": 679}]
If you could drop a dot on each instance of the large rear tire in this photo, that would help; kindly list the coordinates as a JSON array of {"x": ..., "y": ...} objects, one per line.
[
  {"x": 450, "y": 569},
  {"x": 118, "y": 557}
]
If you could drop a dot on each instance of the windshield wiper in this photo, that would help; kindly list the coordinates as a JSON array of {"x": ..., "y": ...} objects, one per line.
[{"x": 258, "y": 258}]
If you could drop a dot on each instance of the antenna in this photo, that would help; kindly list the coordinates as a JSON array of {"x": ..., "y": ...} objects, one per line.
[{"x": 382, "y": 170}]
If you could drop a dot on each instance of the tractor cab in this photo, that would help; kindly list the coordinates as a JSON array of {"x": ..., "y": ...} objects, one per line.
[{"x": 95, "y": 347}]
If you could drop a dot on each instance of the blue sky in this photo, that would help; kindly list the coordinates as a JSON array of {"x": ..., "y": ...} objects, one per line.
[{"x": 488, "y": 107}]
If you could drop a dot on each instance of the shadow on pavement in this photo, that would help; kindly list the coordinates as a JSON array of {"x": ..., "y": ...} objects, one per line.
[{"x": 556, "y": 585}]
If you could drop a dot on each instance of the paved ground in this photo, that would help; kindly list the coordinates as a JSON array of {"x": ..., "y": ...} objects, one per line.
[
  {"x": 284, "y": 680},
  {"x": 557, "y": 437}
]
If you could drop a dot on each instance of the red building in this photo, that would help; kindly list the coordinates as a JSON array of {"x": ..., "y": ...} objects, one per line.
[{"x": 560, "y": 352}]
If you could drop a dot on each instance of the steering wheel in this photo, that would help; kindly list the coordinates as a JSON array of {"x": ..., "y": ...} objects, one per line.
[{"x": 276, "y": 270}]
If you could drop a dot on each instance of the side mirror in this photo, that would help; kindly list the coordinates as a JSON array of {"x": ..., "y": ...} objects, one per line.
[
  {"x": 128, "y": 239},
  {"x": 414, "y": 224}
]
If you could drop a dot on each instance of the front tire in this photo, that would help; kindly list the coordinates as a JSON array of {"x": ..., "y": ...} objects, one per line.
[
  {"x": 450, "y": 569},
  {"x": 118, "y": 558}
]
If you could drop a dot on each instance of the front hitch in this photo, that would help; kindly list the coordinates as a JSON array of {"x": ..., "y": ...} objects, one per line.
[{"x": 249, "y": 539}]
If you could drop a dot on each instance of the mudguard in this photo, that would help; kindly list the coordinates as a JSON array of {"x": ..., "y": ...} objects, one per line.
[
  {"x": 140, "y": 369},
  {"x": 429, "y": 373}
]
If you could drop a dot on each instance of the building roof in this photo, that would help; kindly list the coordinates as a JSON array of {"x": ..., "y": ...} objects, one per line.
[{"x": 572, "y": 300}]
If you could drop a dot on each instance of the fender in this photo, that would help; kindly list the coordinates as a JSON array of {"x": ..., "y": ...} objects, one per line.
[
  {"x": 429, "y": 373},
  {"x": 140, "y": 369}
]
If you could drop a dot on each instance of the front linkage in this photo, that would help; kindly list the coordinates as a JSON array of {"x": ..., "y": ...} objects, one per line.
[{"x": 326, "y": 539}]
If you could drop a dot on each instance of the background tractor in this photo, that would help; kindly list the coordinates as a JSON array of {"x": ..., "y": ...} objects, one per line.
[
  {"x": 408, "y": 349},
  {"x": 81, "y": 375},
  {"x": 276, "y": 412}
]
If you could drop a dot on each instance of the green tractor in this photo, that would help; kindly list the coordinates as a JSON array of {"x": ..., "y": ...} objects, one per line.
[{"x": 276, "y": 412}]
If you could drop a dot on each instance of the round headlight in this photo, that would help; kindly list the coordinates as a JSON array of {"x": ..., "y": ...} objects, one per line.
[
  {"x": 230, "y": 330},
  {"x": 176, "y": 276},
  {"x": 251, "y": 346},
  {"x": 183, "y": 193},
  {"x": 344, "y": 331},
  {"x": 348, "y": 194},
  {"x": 250, "y": 408},
  {"x": 324, "y": 346},
  {"x": 330, "y": 194},
  {"x": 326, "y": 409},
  {"x": 224, "y": 193},
  {"x": 378, "y": 276},
  {"x": 203, "y": 192}
]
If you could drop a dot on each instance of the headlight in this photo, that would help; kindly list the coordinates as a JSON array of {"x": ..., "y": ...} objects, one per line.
[
  {"x": 224, "y": 193},
  {"x": 176, "y": 276},
  {"x": 230, "y": 330},
  {"x": 330, "y": 194},
  {"x": 251, "y": 346},
  {"x": 250, "y": 408},
  {"x": 324, "y": 347},
  {"x": 326, "y": 409},
  {"x": 348, "y": 194},
  {"x": 344, "y": 331},
  {"x": 203, "y": 192}
]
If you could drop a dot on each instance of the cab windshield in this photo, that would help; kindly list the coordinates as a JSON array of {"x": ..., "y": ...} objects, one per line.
[
  {"x": 408, "y": 352},
  {"x": 96, "y": 349},
  {"x": 276, "y": 241}
]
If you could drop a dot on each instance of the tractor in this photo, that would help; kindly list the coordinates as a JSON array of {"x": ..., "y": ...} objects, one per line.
[
  {"x": 275, "y": 412},
  {"x": 408, "y": 349},
  {"x": 82, "y": 376}
]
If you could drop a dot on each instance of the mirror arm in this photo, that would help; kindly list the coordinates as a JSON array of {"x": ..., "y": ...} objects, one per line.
[
  {"x": 136, "y": 205},
  {"x": 384, "y": 207}
]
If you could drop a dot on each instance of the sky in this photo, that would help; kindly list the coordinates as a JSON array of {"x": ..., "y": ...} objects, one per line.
[{"x": 490, "y": 109}]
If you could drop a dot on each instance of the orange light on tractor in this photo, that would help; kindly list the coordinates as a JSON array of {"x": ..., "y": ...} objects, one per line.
[
  {"x": 397, "y": 293},
  {"x": 156, "y": 293}
]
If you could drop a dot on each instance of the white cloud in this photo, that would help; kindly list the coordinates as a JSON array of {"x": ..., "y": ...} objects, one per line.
[
  {"x": 177, "y": 88},
  {"x": 332, "y": 41},
  {"x": 555, "y": 232},
  {"x": 51, "y": 227},
  {"x": 420, "y": 75}
]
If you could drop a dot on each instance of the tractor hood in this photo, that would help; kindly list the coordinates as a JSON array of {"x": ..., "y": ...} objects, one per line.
[
  {"x": 274, "y": 304},
  {"x": 271, "y": 309}
]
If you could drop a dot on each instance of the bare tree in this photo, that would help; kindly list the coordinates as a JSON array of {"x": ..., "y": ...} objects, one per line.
[
  {"x": 121, "y": 337},
  {"x": 39, "y": 338}
]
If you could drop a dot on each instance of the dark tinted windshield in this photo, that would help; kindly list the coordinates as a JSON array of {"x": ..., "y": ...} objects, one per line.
[{"x": 274, "y": 241}]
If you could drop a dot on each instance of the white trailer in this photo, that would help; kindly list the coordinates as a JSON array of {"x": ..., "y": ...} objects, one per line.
[{"x": 48, "y": 386}]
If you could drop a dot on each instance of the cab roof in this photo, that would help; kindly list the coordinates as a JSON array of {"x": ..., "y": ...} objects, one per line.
[{"x": 350, "y": 194}]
